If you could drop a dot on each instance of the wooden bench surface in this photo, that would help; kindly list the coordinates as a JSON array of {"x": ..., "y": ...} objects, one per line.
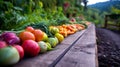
[
  {"x": 83, "y": 53},
  {"x": 77, "y": 50}
]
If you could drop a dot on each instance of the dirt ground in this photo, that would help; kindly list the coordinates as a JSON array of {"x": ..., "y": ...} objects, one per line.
[{"x": 108, "y": 47}]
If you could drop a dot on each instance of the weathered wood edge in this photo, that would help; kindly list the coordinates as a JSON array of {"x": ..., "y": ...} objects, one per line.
[
  {"x": 96, "y": 51},
  {"x": 96, "y": 57}
]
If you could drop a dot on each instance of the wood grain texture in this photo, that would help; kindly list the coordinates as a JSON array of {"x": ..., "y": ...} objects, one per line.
[
  {"x": 83, "y": 53},
  {"x": 44, "y": 60}
]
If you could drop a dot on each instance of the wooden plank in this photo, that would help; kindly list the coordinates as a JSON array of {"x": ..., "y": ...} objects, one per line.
[
  {"x": 44, "y": 60},
  {"x": 83, "y": 53}
]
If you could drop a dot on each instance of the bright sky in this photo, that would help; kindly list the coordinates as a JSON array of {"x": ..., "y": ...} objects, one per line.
[{"x": 95, "y": 1}]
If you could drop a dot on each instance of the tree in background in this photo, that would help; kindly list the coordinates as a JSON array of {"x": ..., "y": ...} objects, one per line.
[
  {"x": 115, "y": 10},
  {"x": 85, "y": 4}
]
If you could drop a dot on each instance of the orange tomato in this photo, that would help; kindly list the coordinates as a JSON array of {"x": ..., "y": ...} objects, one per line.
[
  {"x": 38, "y": 35},
  {"x": 29, "y": 28},
  {"x": 26, "y": 35}
]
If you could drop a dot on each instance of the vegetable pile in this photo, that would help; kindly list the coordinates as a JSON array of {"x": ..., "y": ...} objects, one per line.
[{"x": 33, "y": 41}]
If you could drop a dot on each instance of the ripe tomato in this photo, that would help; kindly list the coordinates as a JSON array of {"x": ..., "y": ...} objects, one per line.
[
  {"x": 29, "y": 28},
  {"x": 60, "y": 37},
  {"x": 20, "y": 50},
  {"x": 31, "y": 47},
  {"x": 38, "y": 35},
  {"x": 45, "y": 37},
  {"x": 2, "y": 44},
  {"x": 26, "y": 35},
  {"x": 54, "y": 30}
]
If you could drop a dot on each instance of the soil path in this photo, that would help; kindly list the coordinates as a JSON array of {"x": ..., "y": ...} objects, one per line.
[{"x": 108, "y": 48}]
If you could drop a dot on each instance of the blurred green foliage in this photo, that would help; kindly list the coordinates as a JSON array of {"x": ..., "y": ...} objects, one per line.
[
  {"x": 17, "y": 14},
  {"x": 115, "y": 10}
]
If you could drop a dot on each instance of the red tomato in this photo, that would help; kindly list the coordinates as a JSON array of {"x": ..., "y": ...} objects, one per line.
[
  {"x": 3, "y": 44},
  {"x": 20, "y": 50},
  {"x": 31, "y": 47}
]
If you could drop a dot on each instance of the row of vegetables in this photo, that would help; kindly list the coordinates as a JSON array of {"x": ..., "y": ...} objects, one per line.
[{"x": 31, "y": 42}]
